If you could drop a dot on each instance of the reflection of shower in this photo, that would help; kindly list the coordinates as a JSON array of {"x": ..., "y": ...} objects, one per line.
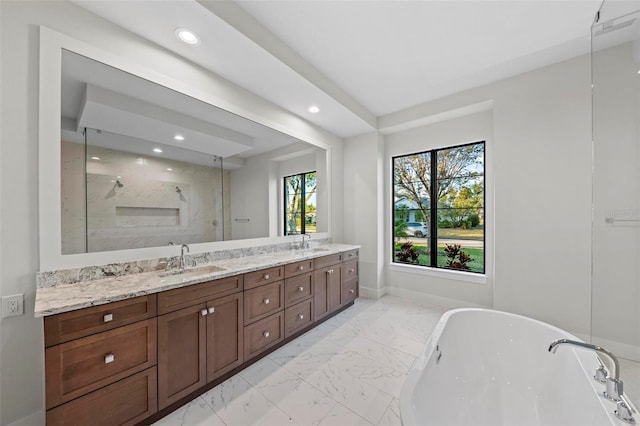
[
  {"x": 178, "y": 190},
  {"x": 118, "y": 184}
]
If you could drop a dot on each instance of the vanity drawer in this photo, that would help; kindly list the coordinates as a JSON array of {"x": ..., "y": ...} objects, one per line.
[
  {"x": 349, "y": 290},
  {"x": 297, "y": 317},
  {"x": 350, "y": 270},
  {"x": 264, "y": 276},
  {"x": 324, "y": 261},
  {"x": 293, "y": 269},
  {"x": 84, "y": 322},
  {"x": 297, "y": 289},
  {"x": 84, "y": 365},
  {"x": 263, "y": 334},
  {"x": 350, "y": 255},
  {"x": 173, "y": 300},
  {"x": 126, "y": 402},
  {"x": 263, "y": 301}
]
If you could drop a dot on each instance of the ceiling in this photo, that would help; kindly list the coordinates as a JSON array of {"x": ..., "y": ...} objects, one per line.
[{"x": 360, "y": 60}]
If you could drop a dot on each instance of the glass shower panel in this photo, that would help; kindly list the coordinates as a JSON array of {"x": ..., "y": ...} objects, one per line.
[
  {"x": 144, "y": 194},
  {"x": 615, "y": 60}
]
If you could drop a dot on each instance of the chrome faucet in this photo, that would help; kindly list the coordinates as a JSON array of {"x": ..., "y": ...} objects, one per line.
[
  {"x": 614, "y": 386},
  {"x": 305, "y": 240},
  {"x": 182, "y": 249}
]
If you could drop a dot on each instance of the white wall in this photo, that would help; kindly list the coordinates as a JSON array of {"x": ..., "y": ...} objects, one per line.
[
  {"x": 363, "y": 207},
  {"x": 21, "y": 348},
  {"x": 541, "y": 167}
]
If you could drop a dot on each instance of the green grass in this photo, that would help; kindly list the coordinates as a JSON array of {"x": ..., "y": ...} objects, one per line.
[
  {"x": 463, "y": 234},
  {"x": 477, "y": 254}
]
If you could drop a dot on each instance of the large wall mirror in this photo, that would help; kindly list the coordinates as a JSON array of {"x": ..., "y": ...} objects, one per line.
[{"x": 142, "y": 164}]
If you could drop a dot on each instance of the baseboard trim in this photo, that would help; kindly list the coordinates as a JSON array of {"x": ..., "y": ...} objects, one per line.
[
  {"x": 371, "y": 293},
  {"x": 36, "y": 418}
]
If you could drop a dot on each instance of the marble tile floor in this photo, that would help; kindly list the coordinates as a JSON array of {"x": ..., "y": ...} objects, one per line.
[{"x": 347, "y": 371}]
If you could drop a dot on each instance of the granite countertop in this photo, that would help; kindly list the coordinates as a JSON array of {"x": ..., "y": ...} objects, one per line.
[{"x": 69, "y": 297}]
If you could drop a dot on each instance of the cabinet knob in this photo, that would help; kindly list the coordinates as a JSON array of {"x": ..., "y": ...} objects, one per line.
[
  {"x": 351, "y": 271},
  {"x": 301, "y": 268},
  {"x": 350, "y": 254},
  {"x": 330, "y": 271},
  {"x": 300, "y": 288},
  {"x": 266, "y": 334},
  {"x": 107, "y": 317},
  {"x": 351, "y": 291},
  {"x": 300, "y": 316},
  {"x": 204, "y": 312},
  {"x": 266, "y": 276},
  {"x": 109, "y": 358},
  {"x": 211, "y": 310},
  {"x": 266, "y": 301}
]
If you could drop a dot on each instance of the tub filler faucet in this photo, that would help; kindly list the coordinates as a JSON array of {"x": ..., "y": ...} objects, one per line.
[{"x": 614, "y": 391}]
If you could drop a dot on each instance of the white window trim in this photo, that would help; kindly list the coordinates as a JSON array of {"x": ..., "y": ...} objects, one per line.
[{"x": 467, "y": 277}]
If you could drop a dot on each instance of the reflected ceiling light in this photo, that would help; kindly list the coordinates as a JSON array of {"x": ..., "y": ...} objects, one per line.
[
  {"x": 169, "y": 169},
  {"x": 314, "y": 109},
  {"x": 158, "y": 150},
  {"x": 187, "y": 36},
  {"x": 141, "y": 161},
  {"x": 178, "y": 138},
  {"x": 95, "y": 158}
]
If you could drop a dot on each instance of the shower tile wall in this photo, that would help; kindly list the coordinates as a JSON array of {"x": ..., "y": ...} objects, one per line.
[{"x": 153, "y": 206}]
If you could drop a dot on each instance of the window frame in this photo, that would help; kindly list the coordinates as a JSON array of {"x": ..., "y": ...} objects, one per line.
[
  {"x": 303, "y": 194},
  {"x": 434, "y": 209}
]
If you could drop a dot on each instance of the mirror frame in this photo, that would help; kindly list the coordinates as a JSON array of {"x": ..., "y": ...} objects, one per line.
[{"x": 49, "y": 188}]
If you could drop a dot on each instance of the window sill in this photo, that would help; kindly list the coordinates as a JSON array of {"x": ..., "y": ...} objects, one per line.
[{"x": 469, "y": 277}]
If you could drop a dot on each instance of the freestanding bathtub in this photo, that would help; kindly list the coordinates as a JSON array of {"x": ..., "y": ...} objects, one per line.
[{"x": 483, "y": 367}]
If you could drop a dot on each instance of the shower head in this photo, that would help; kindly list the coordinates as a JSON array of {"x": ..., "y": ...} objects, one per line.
[
  {"x": 119, "y": 184},
  {"x": 178, "y": 190}
]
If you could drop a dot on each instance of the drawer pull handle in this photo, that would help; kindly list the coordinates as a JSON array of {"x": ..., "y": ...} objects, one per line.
[
  {"x": 107, "y": 317},
  {"x": 300, "y": 288},
  {"x": 211, "y": 310},
  {"x": 351, "y": 271},
  {"x": 109, "y": 358},
  {"x": 266, "y": 301},
  {"x": 330, "y": 271},
  {"x": 266, "y": 334},
  {"x": 266, "y": 276},
  {"x": 301, "y": 268},
  {"x": 300, "y": 316},
  {"x": 351, "y": 291},
  {"x": 204, "y": 312}
]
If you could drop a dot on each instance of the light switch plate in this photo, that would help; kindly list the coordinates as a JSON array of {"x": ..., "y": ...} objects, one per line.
[{"x": 12, "y": 305}]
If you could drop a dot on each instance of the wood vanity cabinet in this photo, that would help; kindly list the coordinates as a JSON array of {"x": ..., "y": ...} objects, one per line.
[
  {"x": 102, "y": 359},
  {"x": 122, "y": 362},
  {"x": 200, "y": 342}
]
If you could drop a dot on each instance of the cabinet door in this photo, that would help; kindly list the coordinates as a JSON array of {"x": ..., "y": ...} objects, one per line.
[
  {"x": 224, "y": 335},
  {"x": 334, "y": 287},
  {"x": 181, "y": 353},
  {"x": 326, "y": 290}
]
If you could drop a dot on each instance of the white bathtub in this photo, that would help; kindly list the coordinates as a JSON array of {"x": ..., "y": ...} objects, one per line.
[{"x": 495, "y": 369}]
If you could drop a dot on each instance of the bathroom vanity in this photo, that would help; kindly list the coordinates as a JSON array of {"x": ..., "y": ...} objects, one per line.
[{"x": 136, "y": 347}]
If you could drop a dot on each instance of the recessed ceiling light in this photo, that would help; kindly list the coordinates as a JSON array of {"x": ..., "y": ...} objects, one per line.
[
  {"x": 95, "y": 158},
  {"x": 141, "y": 161},
  {"x": 169, "y": 169},
  {"x": 187, "y": 36},
  {"x": 314, "y": 109},
  {"x": 178, "y": 137},
  {"x": 158, "y": 150},
  {"x": 118, "y": 177}
]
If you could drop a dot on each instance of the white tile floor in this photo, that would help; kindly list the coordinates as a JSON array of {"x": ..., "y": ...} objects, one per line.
[{"x": 347, "y": 371}]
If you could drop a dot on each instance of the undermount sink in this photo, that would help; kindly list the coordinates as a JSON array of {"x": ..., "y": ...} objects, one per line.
[{"x": 198, "y": 270}]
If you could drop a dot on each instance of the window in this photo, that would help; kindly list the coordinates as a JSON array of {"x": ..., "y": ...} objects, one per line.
[
  {"x": 438, "y": 208},
  {"x": 300, "y": 203}
]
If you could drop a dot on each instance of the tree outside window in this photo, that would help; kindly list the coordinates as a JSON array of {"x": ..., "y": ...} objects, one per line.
[
  {"x": 300, "y": 203},
  {"x": 443, "y": 190}
]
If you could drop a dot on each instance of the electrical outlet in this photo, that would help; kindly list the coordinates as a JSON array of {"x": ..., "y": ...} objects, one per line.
[{"x": 12, "y": 305}]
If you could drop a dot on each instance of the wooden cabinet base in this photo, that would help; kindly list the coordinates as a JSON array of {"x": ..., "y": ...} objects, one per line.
[{"x": 130, "y": 401}]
